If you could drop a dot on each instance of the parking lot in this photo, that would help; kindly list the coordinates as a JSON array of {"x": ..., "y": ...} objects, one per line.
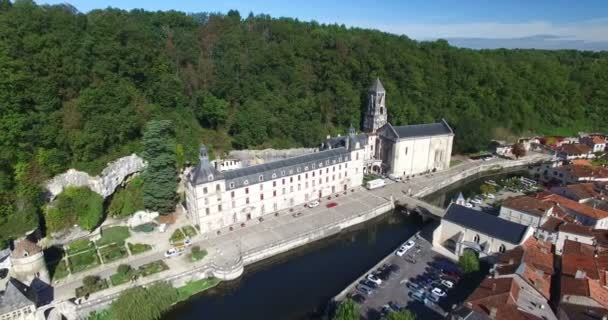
[{"x": 394, "y": 288}]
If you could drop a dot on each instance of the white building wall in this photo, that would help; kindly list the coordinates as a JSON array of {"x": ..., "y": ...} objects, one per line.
[
  {"x": 563, "y": 236},
  {"x": 417, "y": 155},
  {"x": 519, "y": 217},
  {"x": 214, "y": 208}
]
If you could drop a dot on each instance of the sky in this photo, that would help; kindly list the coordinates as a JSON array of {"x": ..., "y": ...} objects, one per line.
[{"x": 544, "y": 24}]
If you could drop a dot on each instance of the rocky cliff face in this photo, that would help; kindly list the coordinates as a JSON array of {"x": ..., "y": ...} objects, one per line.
[
  {"x": 104, "y": 184},
  {"x": 253, "y": 157}
]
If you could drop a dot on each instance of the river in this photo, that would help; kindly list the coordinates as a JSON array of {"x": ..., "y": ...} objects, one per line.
[{"x": 297, "y": 285}]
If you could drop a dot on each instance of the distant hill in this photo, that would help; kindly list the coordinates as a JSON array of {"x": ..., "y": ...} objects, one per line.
[{"x": 76, "y": 89}]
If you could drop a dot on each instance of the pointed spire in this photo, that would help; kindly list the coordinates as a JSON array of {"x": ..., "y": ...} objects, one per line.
[
  {"x": 351, "y": 130},
  {"x": 377, "y": 86}
]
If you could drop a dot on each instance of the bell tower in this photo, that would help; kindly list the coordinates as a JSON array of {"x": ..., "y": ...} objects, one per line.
[{"x": 375, "y": 115}]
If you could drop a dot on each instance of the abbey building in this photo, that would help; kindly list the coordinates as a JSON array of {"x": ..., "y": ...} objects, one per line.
[{"x": 220, "y": 196}]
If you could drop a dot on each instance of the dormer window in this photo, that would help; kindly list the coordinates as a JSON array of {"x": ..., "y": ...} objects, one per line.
[
  {"x": 305, "y": 168},
  {"x": 282, "y": 172},
  {"x": 210, "y": 177},
  {"x": 231, "y": 185},
  {"x": 320, "y": 164},
  {"x": 298, "y": 169},
  {"x": 261, "y": 178},
  {"x": 246, "y": 182},
  {"x": 274, "y": 175}
]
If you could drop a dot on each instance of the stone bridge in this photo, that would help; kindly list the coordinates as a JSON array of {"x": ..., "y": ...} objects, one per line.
[{"x": 425, "y": 209}]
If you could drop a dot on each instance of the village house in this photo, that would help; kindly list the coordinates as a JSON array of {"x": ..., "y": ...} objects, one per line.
[
  {"x": 570, "y": 151},
  {"x": 569, "y": 174},
  {"x": 596, "y": 142}
]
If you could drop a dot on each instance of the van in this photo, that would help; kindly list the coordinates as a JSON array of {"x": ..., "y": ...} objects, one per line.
[{"x": 375, "y": 184}]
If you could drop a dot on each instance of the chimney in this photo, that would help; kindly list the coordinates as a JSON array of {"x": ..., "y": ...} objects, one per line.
[
  {"x": 493, "y": 311},
  {"x": 580, "y": 274}
]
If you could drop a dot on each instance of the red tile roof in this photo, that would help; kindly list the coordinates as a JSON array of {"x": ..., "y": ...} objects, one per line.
[
  {"x": 574, "y": 149},
  {"x": 25, "y": 248},
  {"x": 576, "y": 229},
  {"x": 581, "y": 171},
  {"x": 581, "y": 162},
  {"x": 527, "y": 204},
  {"x": 500, "y": 294},
  {"x": 572, "y": 205}
]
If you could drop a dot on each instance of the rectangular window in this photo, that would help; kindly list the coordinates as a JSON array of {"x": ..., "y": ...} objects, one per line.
[
  {"x": 320, "y": 181},
  {"x": 290, "y": 179},
  {"x": 346, "y": 173},
  {"x": 246, "y": 190},
  {"x": 219, "y": 207},
  {"x": 206, "y": 201},
  {"x": 205, "y": 190},
  {"x": 231, "y": 185},
  {"x": 274, "y": 183},
  {"x": 333, "y": 169},
  {"x": 299, "y": 178},
  {"x": 283, "y": 181},
  {"x": 333, "y": 177},
  {"x": 313, "y": 173},
  {"x": 306, "y": 176},
  {"x": 326, "y": 179},
  {"x": 207, "y": 211},
  {"x": 262, "y": 186},
  {"x": 306, "y": 185},
  {"x": 247, "y": 200},
  {"x": 313, "y": 182},
  {"x": 217, "y": 187},
  {"x": 274, "y": 193},
  {"x": 326, "y": 170},
  {"x": 232, "y": 194},
  {"x": 346, "y": 165},
  {"x": 262, "y": 196},
  {"x": 290, "y": 188},
  {"x": 320, "y": 172},
  {"x": 299, "y": 187}
]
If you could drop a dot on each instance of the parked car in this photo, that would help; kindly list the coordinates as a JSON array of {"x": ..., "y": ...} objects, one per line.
[
  {"x": 468, "y": 205},
  {"x": 297, "y": 214},
  {"x": 386, "y": 309},
  {"x": 374, "y": 279},
  {"x": 420, "y": 296},
  {"x": 364, "y": 289},
  {"x": 358, "y": 298},
  {"x": 173, "y": 252},
  {"x": 394, "y": 268},
  {"x": 413, "y": 285},
  {"x": 395, "y": 306},
  {"x": 410, "y": 244},
  {"x": 490, "y": 196},
  {"x": 395, "y": 178},
  {"x": 401, "y": 251},
  {"x": 188, "y": 242},
  {"x": 476, "y": 200},
  {"x": 433, "y": 298},
  {"x": 438, "y": 292},
  {"x": 368, "y": 283},
  {"x": 313, "y": 203},
  {"x": 452, "y": 274},
  {"x": 447, "y": 283},
  {"x": 331, "y": 205}
]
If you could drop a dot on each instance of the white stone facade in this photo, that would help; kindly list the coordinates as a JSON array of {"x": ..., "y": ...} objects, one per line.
[{"x": 421, "y": 154}]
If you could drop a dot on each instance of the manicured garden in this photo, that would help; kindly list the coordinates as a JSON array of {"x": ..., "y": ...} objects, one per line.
[
  {"x": 83, "y": 261},
  {"x": 91, "y": 284},
  {"x": 177, "y": 236},
  {"x": 197, "y": 254},
  {"x": 152, "y": 268},
  {"x": 80, "y": 245},
  {"x": 123, "y": 274},
  {"x": 113, "y": 252},
  {"x": 137, "y": 248},
  {"x": 189, "y": 231}
]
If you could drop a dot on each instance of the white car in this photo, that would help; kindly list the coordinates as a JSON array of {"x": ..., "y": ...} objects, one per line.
[
  {"x": 447, "y": 283},
  {"x": 373, "y": 279},
  {"x": 410, "y": 244},
  {"x": 476, "y": 201},
  {"x": 188, "y": 242},
  {"x": 313, "y": 204},
  {"x": 490, "y": 196},
  {"x": 468, "y": 205},
  {"x": 172, "y": 252},
  {"x": 401, "y": 251},
  {"x": 438, "y": 292}
]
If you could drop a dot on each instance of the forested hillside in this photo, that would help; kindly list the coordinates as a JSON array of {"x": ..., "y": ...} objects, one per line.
[{"x": 76, "y": 89}]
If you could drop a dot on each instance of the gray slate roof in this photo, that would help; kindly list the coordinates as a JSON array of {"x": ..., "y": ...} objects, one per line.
[
  {"x": 337, "y": 142},
  {"x": 280, "y": 168},
  {"x": 377, "y": 86},
  {"x": 423, "y": 130},
  {"x": 16, "y": 296},
  {"x": 485, "y": 223}
]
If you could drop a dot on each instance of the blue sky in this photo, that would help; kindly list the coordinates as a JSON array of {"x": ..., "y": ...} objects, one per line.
[{"x": 471, "y": 23}]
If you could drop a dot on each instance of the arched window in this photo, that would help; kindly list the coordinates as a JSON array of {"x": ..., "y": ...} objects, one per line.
[
  {"x": 502, "y": 248},
  {"x": 381, "y": 110},
  {"x": 476, "y": 239},
  {"x": 210, "y": 177}
]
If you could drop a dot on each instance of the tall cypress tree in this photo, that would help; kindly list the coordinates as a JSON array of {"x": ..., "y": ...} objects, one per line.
[{"x": 160, "y": 177}]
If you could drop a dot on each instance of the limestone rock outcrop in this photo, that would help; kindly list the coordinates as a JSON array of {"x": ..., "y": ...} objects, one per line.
[
  {"x": 104, "y": 184},
  {"x": 253, "y": 157}
]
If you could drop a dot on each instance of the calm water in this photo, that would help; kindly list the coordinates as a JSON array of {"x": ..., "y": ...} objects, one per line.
[{"x": 297, "y": 285}]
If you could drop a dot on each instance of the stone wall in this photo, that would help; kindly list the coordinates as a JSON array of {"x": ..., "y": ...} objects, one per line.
[
  {"x": 104, "y": 184},
  {"x": 253, "y": 157}
]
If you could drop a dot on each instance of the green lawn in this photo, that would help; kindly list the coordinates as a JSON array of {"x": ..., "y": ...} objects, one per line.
[
  {"x": 137, "y": 248},
  {"x": 120, "y": 278},
  {"x": 113, "y": 235},
  {"x": 455, "y": 162},
  {"x": 177, "y": 236},
  {"x": 145, "y": 228},
  {"x": 113, "y": 252},
  {"x": 83, "y": 261},
  {"x": 77, "y": 246},
  {"x": 61, "y": 271},
  {"x": 189, "y": 231},
  {"x": 152, "y": 268},
  {"x": 194, "y": 287},
  {"x": 100, "y": 285}
]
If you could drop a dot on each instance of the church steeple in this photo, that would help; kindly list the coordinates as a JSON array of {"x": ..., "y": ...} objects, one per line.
[{"x": 375, "y": 115}]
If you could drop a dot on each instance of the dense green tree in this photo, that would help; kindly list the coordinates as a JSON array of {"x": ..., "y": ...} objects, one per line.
[
  {"x": 74, "y": 206},
  {"x": 127, "y": 201},
  {"x": 210, "y": 111},
  {"x": 160, "y": 176},
  {"x": 347, "y": 310},
  {"x": 469, "y": 261},
  {"x": 144, "y": 303}
]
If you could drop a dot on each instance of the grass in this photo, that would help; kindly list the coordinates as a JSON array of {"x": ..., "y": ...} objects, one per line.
[
  {"x": 189, "y": 231},
  {"x": 100, "y": 285},
  {"x": 83, "y": 261},
  {"x": 145, "y": 228},
  {"x": 137, "y": 248},
  {"x": 177, "y": 236},
  {"x": 113, "y": 235},
  {"x": 120, "y": 278},
  {"x": 61, "y": 271},
  {"x": 370, "y": 177},
  {"x": 194, "y": 287},
  {"x": 152, "y": 268},
  {"x": 113, "y": 252},
  {"x": 78, "y": 246}
]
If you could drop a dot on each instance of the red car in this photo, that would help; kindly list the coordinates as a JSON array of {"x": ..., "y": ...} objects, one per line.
[{"x": 331, "y": 205}]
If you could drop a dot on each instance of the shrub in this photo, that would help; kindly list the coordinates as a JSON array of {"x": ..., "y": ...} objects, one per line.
[
  {"x": 123, "y": 268},
  {"x": 75, "y": 206},
  {"x": 90, "y": 281},
  {"x": 144, "y": 303},
  {"x": 469, "y": 262},
  {"x": 127, "y": 201}
]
